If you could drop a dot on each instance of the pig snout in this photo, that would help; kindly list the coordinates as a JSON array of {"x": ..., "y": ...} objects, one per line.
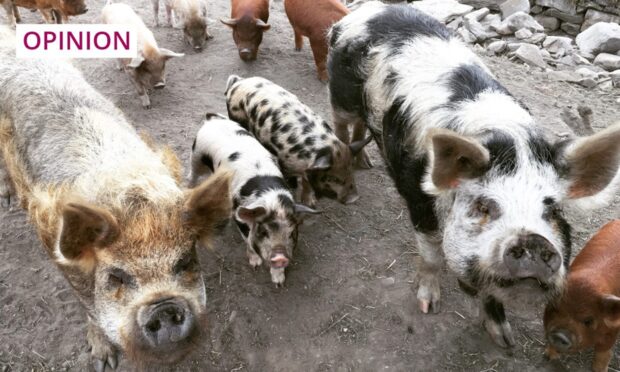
[
  {"x": 532, "y": 256},
  {"x": 167, "y": 323},
  {"x": 560, "y": 339},
  {"x": 246, "y": 54},
  {"x": 160, "y": 85},
  {"x": 82, "y": 11},
  {"x": 278, "y": 260}
]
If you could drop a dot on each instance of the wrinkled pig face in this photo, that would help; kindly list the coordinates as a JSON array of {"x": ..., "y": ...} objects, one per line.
[
  {"x": 151, "y": 73},
  {"x": 247, "y": 34},
  {"x": 273, "y": 233},
  {"x": 504, "y": 230},
  {"x": 195, "y": 32},
  {"x": 152, "y": 305},
  {"x": 332, "y": 175},
  {"x": 73, "y": 7}
]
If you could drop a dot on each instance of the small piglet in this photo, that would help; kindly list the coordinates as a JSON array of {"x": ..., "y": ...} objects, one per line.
[
  {"x": 313, "y": 18},
  {"x": 304, "y": 143},
  {"x": 148, "y": 69},
  {"x": 248, "y": 20},
  {"x": 588, "y": 313},
  {"x": 53, "y": 11},
  {"x": 264, "y": 210},
  {"x": 190, "y": 15}
]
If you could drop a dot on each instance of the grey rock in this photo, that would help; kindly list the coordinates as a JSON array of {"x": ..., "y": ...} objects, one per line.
[
  {"x": 609, "y": 62},
  {"x": 588, "y": 83},
  {"x": 497, "y": 47},
  {"x": 558, "y": 45},
  {"x": 607, "y": 6},
  {"x": 518, "y": 21},
  {"x": 531, "y": 55},
  {"x": 545, "y": 54},
  {"x": 510, "y": 7},
  {"x": 566, "y": 60},
  {"x": 566, "y": 17},
  {"x": 478, "y": 30},
  {"x": 537, "y": 38},
  {"x": 594, "y": 16},
  {"x": 455, "y": 24},
  {"x": 549, "y": 23},
  {"x": 491, "y": 4},
  {"x": 477, "y": 15},
  {"x": 536, "y": 9},
  {"x": 580, "y": 60},
  {"x": 570, "y": 28},
  {"x": 568, "y": 76},
  {"x": 567, "y": 6},
  {"x": 523, "y": 34},
  {"x": 606, "y": 85},
  {"x": 585, "y": 72},
  {"x": 490, "y": 20},
  {"x": 442, "y": 10},
  {"x": 512, "y": 47},
  {"x": 466, "y": 36},
  {"x": 615, "y": 78},
  {"x": 603, "y": 37}
]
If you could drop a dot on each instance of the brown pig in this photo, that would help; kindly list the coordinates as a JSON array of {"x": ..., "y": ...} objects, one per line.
[
  {"x": 248, "y": 20},
  {"x": 313, "y": 18},
  {"x": 57, "y": 11},
  {"x": 110, "y": 210},
  {"x": 588, "y": 313},
  {"x": 148, "y": 69}
]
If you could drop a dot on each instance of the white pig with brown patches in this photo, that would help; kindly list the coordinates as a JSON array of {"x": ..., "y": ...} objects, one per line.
[
  {"x": 264, "y": 210},
  {"x": 148, "y": 69},
  {"x": 189, "y": 15},
  {"x": 109, "y": 210}
]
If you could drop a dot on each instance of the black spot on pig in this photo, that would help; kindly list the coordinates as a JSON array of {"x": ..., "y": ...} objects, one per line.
[
  {"x": 310, "y": 141},
  {"x": 304, "y": 154},
  {"x": 241, "y": 132},
  {"x": 285, "y": 128},
  {"x": 234, "y": 156},
  {"x": 467, "y": 81},
  {"x": 264, "y": 102},
  {"x": 263, "y": 116},
  {"x": 250, "y": 96},
  {"x": 323, "y": 137},
  {"x": 253, "y": 112},
  {"x": 194, "y": 145},
  {"x": 207, "y": 160},
  {"x": 326, "y": 126},
  {"x": 286, "y": 201},
  {"x": 275, "y": 124},
  {"x": 494, "y": 309},
  {"x": 243, "y": 228},
  {"x": 292, "y": 139},
  {"x": 276, "y": 143},
  {"x": 503, "y": 153},
  {"x": 308, "y": 128},
  {"x": 297, "y": 148},
  {"x": 259, "y": 85},
  {"x": 258, "y": 185}
]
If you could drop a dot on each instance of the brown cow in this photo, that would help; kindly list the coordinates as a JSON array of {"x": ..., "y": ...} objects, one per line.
[
  {"x": 248, "y": 20},
  {"x": 53, "y": 11},
  {"x": 313, "y": 18},
  {"x": 588, "y": 313}
]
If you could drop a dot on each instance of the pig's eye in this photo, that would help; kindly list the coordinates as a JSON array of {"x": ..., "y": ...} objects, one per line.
[
  {"x": 118, "y": 277},
  {"x": 588, "y": 322},
  {"x": 185, "y": 263}
]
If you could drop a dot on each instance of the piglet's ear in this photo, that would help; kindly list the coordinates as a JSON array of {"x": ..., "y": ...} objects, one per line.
[
  {"x": 250, "y": 214},
  {"x": 611, "y": 309},
  {"x": 166, "y": 53},
  {"x": 301, "y": 209},
  {"x": 357, "y": 146},
  {"x": 230, "y": 22},
  {"x": 84, "y": 229},
  {"x": 456, "y": 157},
  {"x": 262, "y": 25},
  {"x": 209, "y": 205},
  {"x": 592, "y": 162},
  {"x": 136, "y": 62},
  {"x": 323, "y": 162}
]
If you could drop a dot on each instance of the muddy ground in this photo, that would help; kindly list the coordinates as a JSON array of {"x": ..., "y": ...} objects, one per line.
[{"x": 348, "y": 303}]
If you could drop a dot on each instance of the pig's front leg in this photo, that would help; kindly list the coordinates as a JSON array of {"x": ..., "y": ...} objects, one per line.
[
  {"x": 277, "y": 276},
  {"x": 601, "y": 359},
  {"x": 428, "y": 270},
  {"x": 144, "y": 97},
  {"x": 254, "y": 258},
  {"x": 494, "y": 321},
  {"x": 307, "y": 193},
  {"x": 6, "y": 187},
  {"x": 103, "y": 352}
]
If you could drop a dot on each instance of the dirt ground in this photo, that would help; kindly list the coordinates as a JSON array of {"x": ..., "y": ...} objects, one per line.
[{"x": 348, "y": 303}]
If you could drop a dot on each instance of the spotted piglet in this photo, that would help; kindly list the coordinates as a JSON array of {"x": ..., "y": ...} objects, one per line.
[
  {"x": 264, "y": 210},
  {"x": 304, "y": 143}
]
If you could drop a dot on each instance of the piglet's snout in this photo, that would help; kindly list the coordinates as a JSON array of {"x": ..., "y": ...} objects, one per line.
[
  {"x": 245, "y": 54},
  {"x": 560, "y": 339},
  {"x": 278, "y": 260},
  {"x": 160, "y": 85},
  {"x": 167, "y": 323},
  {"x": 532, "y": 256}
]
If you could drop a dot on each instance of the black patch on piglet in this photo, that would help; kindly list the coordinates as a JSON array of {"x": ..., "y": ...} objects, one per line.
[
  {"x": 494, "y": 309},
  {"x": 258, "y": 185},
  {"x": 243, "y": 228},
  {"x": 503, "y": 153},
  {"x": 242, "y": 132},
  {"x": 207, "y": 160},
  {"x": 234, "y": 156},
  {"x": 467, "y": 81}
]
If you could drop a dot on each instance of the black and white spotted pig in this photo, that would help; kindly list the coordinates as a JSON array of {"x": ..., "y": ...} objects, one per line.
[
  {"x": 304, "y": 143},
  {"x": 484, "y": 186},
  {"x": 263, "y": 206}
]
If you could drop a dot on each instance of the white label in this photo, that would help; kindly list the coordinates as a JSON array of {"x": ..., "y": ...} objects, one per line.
[{"x": 52, "y": 41}]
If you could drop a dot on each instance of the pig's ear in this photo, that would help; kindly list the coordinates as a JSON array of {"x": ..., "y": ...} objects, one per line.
[
  {"x": 301, "y": 209},
  {"x": 136, "y": 62},
  {"x": 611, "y": 309},
  {"x": 85, "y": 228},
  {"x": 209, "y": 205},
  {"x": 323, "y": 162},
  {"x": 167, "y": 54},
  {"x": 592, "y": 162},
  {"x": 262, "y": 25},
  {"x": 230, "y": 22},
  {"x": 455, "y": 157},
  {"x": 251, "y": 213}
]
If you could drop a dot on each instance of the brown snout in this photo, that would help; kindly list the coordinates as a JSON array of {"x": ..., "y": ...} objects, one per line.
[
  {"x": 532, "y": 256},
  {"x": 160, "y": 85},
  {"x": 278, "y": 261},
  {"x": 246, "y": 54},
  {"x": 561, "y": 340},
  {"x": 167, "y": 324}
]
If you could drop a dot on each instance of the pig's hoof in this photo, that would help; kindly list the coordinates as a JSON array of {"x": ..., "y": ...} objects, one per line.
[
  {"x": 501, "y": 333},
  {"x": 429, "y": 294},
  {"x": 277, "y": 277},
  {"x": 102, "y": 351},
  {"x": 5, "y": 201},
  {"x": 363, "y": 161},
  {"x": 209, "y": 36},
  {"x": 255, "y": 261}
]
